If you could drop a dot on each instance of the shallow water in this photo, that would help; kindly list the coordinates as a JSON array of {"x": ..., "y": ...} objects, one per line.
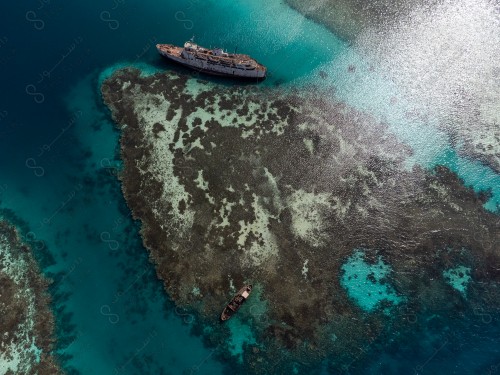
[{"x": 59, "y": 162}]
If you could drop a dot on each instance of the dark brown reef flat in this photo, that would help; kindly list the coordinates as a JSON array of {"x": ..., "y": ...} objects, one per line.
[{"x": 245, "y": 184}]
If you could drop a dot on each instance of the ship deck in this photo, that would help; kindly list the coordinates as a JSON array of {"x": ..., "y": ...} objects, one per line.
[
  {"x": 170, "y": 49},
  {"x": 231, "y": 58}
]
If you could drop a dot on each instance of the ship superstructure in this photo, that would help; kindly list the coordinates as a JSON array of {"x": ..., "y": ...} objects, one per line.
[
  {"x": 213, "y": 61},
  {"x": 236, "y": 302}
]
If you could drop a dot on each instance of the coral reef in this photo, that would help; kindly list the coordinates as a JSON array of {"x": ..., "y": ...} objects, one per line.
[
  {"x": 280, "y": 188},
  {"x": 27, "y": 324}
]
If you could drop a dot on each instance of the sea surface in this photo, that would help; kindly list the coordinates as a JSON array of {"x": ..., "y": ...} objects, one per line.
[{"x": 59, "y": 160}]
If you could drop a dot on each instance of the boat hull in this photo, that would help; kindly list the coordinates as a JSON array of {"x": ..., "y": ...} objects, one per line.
[
  {"x": 233, "y": 306},
  {"x": 214, "y": 69}
]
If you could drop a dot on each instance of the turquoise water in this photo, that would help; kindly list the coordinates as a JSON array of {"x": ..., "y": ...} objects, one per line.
[
  {"x": 367, "y": 284},
  {"x": 458, "y": 278},
  {"x": 474, "y": 174},
  {"x": 59, "y": 161}
]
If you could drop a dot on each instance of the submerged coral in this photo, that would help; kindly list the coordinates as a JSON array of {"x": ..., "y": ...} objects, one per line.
[
  {"x": 27, "y": 324},
  {"x": 348, "y": 18},
  {"x": 279, "y": 188},
  {"x": 443, "y": 58}
]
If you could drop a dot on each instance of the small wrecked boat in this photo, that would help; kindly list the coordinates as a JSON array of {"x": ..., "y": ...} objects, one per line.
[{"x": 236, "y": 302}]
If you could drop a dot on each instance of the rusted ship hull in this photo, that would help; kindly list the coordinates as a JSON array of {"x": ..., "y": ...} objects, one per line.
[
  {"x": 210, "y": 64},
  {"x": 236, "y": 302}
]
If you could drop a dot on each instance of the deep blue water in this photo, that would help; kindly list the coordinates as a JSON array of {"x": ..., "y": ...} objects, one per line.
[{"x": 58, "y": 161}]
